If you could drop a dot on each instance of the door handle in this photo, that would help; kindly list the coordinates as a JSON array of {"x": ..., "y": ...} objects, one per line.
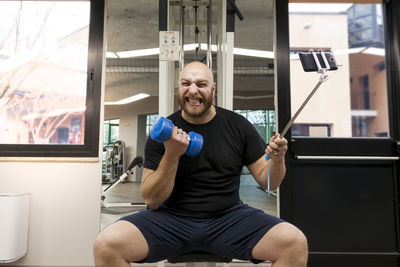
[{"x": 346, "y": 158}]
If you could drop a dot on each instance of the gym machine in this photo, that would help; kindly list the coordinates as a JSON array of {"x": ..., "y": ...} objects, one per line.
[
  {"x": 114, "y": 163},
  {"x": 136, "y": 162}
]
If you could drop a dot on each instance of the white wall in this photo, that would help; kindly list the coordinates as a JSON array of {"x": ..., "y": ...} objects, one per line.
[
  {"x": 64, "y": 212},
  {"x": 65, "y": 204}
]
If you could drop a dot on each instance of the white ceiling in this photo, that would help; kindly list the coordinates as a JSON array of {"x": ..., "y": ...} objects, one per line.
[{"x": 133, "y": 24}]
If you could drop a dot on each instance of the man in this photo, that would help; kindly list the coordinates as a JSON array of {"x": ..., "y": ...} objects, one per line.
[{"x": 193, "y": 203}]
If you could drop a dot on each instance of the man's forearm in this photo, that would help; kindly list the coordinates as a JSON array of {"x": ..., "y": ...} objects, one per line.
[
  {"x": 277, "y": 170},
  {"x": 157, "y": 186}
]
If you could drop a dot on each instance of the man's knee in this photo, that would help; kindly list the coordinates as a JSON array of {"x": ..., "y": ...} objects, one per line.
[
  {"x": 296, "y": 246},
  {"x": 122, "y": 242},
  {"x": 300, "y": 244},
  {"x": 284, "y": 240},
  {"x": 103, "y": 246}
]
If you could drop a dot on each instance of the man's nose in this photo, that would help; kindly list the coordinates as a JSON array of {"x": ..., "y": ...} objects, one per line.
[{"x": 193, "y": 89}]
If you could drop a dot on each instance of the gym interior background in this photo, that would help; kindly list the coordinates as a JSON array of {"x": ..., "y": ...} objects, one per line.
[{"x": 64, "y": 146}]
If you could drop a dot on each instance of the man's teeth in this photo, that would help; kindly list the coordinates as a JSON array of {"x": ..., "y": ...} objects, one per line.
[{"x": 193, "y": 101}]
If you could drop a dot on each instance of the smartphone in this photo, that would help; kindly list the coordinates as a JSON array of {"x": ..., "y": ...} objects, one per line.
[{"x": 308, "y": 62}]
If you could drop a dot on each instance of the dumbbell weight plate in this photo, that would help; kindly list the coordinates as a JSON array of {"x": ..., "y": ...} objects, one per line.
[
  {"x": 195, "y": 145},
  {"x": 161, "y": 130}
]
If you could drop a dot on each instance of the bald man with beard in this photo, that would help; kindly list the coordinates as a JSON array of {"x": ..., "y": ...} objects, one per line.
[{"x": 193, "y": 203}]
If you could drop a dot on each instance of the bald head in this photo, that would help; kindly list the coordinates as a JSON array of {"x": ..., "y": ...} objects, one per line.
[
  {"x": 200, "y": 67},
  {"x": 196, "y": 91}
]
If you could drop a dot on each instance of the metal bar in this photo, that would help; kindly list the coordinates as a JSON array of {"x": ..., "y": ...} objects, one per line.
[
  {"x": 301, "y": 108},
  {"x": 325, "y": 60},
  {"x": 196, "y": 32},
  {"x": 209, "y": 34},
  {"x": 181, "y": 35},
  {"x": 236, "y": 9},
  {"x": 316, "y": 60},
  {"x": 163, "y": 15},
  {"x": 346, "y": 158}
]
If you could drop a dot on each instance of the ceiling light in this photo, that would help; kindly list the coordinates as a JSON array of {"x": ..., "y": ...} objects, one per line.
[
  {"x": 139, "y": 53},
  {"x": 111, "y": 55},
  {"x": 128, "y": 100},
  {"x": 253, "y": 53},
  {"x": 205, "y": 47},
  {"x": 192, "y": 47}
]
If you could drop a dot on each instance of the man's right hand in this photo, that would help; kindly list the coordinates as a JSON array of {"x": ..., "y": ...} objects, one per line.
[{"x": 177, "y": 143}]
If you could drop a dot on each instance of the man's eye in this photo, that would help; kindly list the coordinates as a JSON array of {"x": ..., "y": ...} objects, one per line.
[{"x": 202, "y": 85}]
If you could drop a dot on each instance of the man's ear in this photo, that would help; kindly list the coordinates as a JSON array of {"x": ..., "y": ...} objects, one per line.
[{"x": 214, "y": 88}]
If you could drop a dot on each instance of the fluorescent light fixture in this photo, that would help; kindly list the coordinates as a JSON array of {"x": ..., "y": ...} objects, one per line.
[
  {"x": 374, "y": 51},
  {"x": 205, "y": 47},
  {"x": 139, "y": 53},
  {"x": 128, "y": 100},
  {"x": 192, "y": 47},
  {"x": 253, "y": 53},
  {"x": 111, "y": 55}
]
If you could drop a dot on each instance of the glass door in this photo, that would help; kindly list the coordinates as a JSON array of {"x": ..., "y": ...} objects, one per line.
[{"x": 342, "y": 160}]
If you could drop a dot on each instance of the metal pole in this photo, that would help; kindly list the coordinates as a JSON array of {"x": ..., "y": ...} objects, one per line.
[
  {"x": 181, "y": 36},
  {"x": 196, "y": 32},
  {"x": 209, "y": 34},
  {"x": 321, "y": 80}
]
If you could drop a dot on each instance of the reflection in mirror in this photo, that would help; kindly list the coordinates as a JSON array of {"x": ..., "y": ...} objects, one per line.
[
  {"x": 353, "y": 101},
  {"x": 253, "y": 88},
  {"x": 131, "y": 93},
  {"x": 132, "y": 70}
]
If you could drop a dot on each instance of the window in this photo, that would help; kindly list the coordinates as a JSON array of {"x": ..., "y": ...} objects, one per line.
[
  {"x": 364, "y": 83},
  {"x": 111, "y": 131},
  {"x": 263, "y": 121},
  {"x": 353, "y": 101},
  {"x": 150, "y": 120},
  {"x": 315, "y": 130},
  {"x": 49, "y": 87}
]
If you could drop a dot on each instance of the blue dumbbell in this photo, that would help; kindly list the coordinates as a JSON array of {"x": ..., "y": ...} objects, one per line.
[{"x": 162, "y": 130}]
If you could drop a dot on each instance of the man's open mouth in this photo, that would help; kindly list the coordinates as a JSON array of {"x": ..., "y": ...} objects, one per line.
[{"x": 194, "y": 101}]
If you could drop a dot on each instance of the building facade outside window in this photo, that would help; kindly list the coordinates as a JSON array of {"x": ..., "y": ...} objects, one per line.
[{"x": 353, "y": 102}]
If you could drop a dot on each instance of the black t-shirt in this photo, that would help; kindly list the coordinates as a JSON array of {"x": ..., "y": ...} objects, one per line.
[{"x": 210, "y": 181}]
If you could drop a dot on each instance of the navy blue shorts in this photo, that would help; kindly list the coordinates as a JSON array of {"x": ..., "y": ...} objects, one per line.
[{"x": 231, "y": 233}]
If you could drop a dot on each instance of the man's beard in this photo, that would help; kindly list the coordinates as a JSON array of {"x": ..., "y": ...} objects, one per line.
[{"x": 193, "y": 111}]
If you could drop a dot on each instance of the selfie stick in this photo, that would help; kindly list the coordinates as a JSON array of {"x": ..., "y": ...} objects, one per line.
[{"x": 322, "y": 78}]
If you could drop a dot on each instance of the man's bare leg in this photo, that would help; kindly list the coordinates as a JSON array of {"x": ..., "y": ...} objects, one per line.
[
  {"x": 119, "y": 244},
  {"x": 284, "y": 245}
]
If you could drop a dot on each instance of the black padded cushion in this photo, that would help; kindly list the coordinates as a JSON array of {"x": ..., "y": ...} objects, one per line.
[{"x": 198, "y": 256}]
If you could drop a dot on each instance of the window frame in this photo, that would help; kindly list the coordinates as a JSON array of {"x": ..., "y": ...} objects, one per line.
[{"x": 93, "y": 101}]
